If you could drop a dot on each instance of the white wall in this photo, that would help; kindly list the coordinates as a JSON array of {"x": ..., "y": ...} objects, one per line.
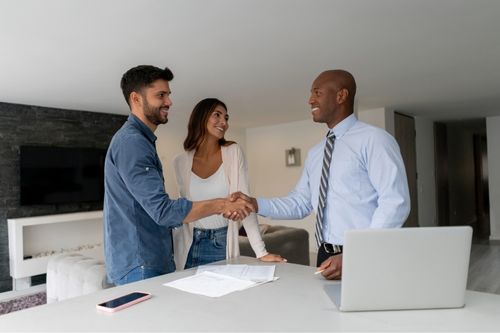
[
  {"x": 426, "y": 189},
  {"x": 238, "y": 135},
  {"x": 169, "y": 144},
  {"x": 389, "y": 121},
  {"x": 493, "y": 138},
  {"x": 269, "y": 177},
  {"x": 375, "y": 117}
]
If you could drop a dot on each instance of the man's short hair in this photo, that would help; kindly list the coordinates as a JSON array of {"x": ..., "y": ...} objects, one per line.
[{"x": 138, "y": 78}]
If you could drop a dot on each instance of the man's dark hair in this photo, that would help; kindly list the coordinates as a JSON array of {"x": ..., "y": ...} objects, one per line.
[{"x": 138, "y": 78}]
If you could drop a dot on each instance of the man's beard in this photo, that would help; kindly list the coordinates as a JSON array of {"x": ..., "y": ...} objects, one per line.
[{"x": 153, "y": 114}]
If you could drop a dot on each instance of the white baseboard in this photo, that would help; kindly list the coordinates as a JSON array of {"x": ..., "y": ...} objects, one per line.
[
  {"x": 9, "y": 295},
  {"x": 495, "y": 237}
]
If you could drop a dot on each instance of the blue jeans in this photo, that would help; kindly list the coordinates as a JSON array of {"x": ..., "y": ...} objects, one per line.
[
  {"x": 138, "y": 274},
  {"x": 209, "y": 245}
]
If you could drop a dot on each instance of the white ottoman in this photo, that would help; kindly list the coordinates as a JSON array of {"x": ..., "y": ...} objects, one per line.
[{"x": 71, "y": 275}]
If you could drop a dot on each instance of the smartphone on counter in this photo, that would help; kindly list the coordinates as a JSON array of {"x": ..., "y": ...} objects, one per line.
[{"x": 123, "y": 302}]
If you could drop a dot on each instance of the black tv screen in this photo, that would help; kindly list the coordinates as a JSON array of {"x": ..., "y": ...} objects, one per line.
[{"x": 58, "y": 175}]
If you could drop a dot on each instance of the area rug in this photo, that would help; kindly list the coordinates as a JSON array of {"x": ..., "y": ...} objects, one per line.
[{"x": 23, "y": 302}]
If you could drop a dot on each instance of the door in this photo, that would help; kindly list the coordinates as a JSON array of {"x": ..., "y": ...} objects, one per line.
[
  {"x": 482, "y": 191},
  {"x": 404, "y": 129},
  {"x": 441, "y": 172}
]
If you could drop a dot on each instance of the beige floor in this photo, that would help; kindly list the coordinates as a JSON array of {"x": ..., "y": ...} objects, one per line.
[{"x": 484, "y": 267}]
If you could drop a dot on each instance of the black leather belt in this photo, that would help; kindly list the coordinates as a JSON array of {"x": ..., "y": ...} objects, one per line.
[{"x": 332, "y": 248}]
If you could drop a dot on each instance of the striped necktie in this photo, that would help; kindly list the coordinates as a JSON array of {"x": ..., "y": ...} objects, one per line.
[{"x": 323, "y": 187}]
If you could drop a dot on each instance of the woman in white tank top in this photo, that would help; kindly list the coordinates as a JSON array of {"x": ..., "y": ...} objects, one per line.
[{"x": 212, "y": 167}]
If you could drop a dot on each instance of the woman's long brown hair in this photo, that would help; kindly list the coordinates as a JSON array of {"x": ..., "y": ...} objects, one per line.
[{"x": 197, "y": 126}]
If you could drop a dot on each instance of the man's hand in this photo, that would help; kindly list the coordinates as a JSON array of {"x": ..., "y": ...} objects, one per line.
[
  {"x": 332, "y": 268},
  {"x": 243, "y": 196},
  {"x": 237, "y": 209}
]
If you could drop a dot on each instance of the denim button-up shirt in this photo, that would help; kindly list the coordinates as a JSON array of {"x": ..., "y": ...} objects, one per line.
[{"x": 138, "y": 213}]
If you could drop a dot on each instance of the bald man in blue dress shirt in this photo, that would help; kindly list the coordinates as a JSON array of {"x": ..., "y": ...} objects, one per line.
[{"x": 365, "y": 184}]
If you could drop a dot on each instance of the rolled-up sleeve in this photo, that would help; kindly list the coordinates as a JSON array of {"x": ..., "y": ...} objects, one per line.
[{"x": 143, "y": 178}]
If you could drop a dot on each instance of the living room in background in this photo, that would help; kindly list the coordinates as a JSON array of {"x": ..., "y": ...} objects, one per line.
[{"x": 33, "y": 125}]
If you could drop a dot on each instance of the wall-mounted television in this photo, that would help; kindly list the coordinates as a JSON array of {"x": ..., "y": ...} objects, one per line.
[{"x": 60, "y": 175}]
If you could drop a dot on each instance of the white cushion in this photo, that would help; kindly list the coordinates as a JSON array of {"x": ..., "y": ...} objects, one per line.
[{"x": 72, "y": 275}]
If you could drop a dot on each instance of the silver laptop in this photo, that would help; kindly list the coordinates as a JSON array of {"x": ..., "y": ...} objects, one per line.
[{"x": 408, "y": 268}]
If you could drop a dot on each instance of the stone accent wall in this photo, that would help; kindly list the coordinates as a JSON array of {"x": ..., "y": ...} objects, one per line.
[{"x": 33, "y": 125}]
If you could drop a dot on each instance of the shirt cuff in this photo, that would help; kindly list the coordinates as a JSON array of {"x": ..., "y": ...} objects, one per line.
[
  {"x": 264, "y": 207},
  {"x": 186, "y": 206}
]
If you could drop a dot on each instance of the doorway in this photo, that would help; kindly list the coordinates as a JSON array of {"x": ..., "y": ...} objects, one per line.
[
  {"x": 462, "y": 175},
  {"x": 404, "y": 133}
]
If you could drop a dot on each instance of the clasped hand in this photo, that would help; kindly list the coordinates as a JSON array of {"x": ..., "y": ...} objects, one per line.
[
  {"x": 237, "y": 209},
  {"x": 251, "y": 203}
]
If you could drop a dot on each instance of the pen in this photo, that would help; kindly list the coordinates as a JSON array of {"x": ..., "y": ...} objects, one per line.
[{"x": 320, "y": 271}]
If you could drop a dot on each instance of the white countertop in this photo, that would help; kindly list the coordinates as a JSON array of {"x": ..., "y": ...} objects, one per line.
[{"x": 295, "y": 302}]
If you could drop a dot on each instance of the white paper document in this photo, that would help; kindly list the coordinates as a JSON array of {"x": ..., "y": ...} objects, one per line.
[
  {"x": 244, "y": 272},
  {"x": 220, "y": 280},
  {"x": 210, "y": 284}
]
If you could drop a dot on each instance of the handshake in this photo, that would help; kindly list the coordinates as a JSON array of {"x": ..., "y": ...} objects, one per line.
[{"x": 238, "y": 206}]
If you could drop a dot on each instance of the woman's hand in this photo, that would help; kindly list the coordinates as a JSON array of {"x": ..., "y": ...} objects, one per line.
[{"x": 272, "y": 258}]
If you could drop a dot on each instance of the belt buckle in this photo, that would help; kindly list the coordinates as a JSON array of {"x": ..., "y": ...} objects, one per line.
[{"x": 330, "y": 248}]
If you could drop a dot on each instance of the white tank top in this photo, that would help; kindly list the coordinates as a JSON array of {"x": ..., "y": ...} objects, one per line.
[{"x": 215, "y": 186}]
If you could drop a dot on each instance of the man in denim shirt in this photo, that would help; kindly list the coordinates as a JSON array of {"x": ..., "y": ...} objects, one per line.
[{"x": 138, "y": 213}]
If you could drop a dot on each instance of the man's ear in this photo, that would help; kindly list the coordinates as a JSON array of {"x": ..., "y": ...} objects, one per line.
[
  {"x": 135, "y": 98},
  {"x": 342, "y": 95}
]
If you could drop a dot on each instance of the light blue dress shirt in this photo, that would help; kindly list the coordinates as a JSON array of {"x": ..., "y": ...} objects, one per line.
[{"x": 367, "y": 186}]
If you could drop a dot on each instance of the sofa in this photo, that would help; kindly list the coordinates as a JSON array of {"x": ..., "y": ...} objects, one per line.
[{"x": 290, "y": 243}]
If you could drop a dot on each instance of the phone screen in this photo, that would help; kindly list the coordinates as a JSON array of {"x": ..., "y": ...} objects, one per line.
[{"x": 114, "y": 303}]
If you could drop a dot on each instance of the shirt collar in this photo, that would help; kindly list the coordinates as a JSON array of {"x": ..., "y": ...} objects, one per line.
[
  {"x": 137, "y": 123},
  {"x": 341, "y": 128}
]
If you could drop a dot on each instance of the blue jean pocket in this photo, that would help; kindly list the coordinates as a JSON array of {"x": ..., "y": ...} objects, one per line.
[{"x": 220, "y": 241}]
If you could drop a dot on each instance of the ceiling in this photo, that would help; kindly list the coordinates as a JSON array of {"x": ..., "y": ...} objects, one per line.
[{"x": 437, "y": 59}]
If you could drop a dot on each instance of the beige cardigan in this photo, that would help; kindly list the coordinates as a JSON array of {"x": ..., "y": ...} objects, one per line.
[{"x": 235, "y": 168}]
